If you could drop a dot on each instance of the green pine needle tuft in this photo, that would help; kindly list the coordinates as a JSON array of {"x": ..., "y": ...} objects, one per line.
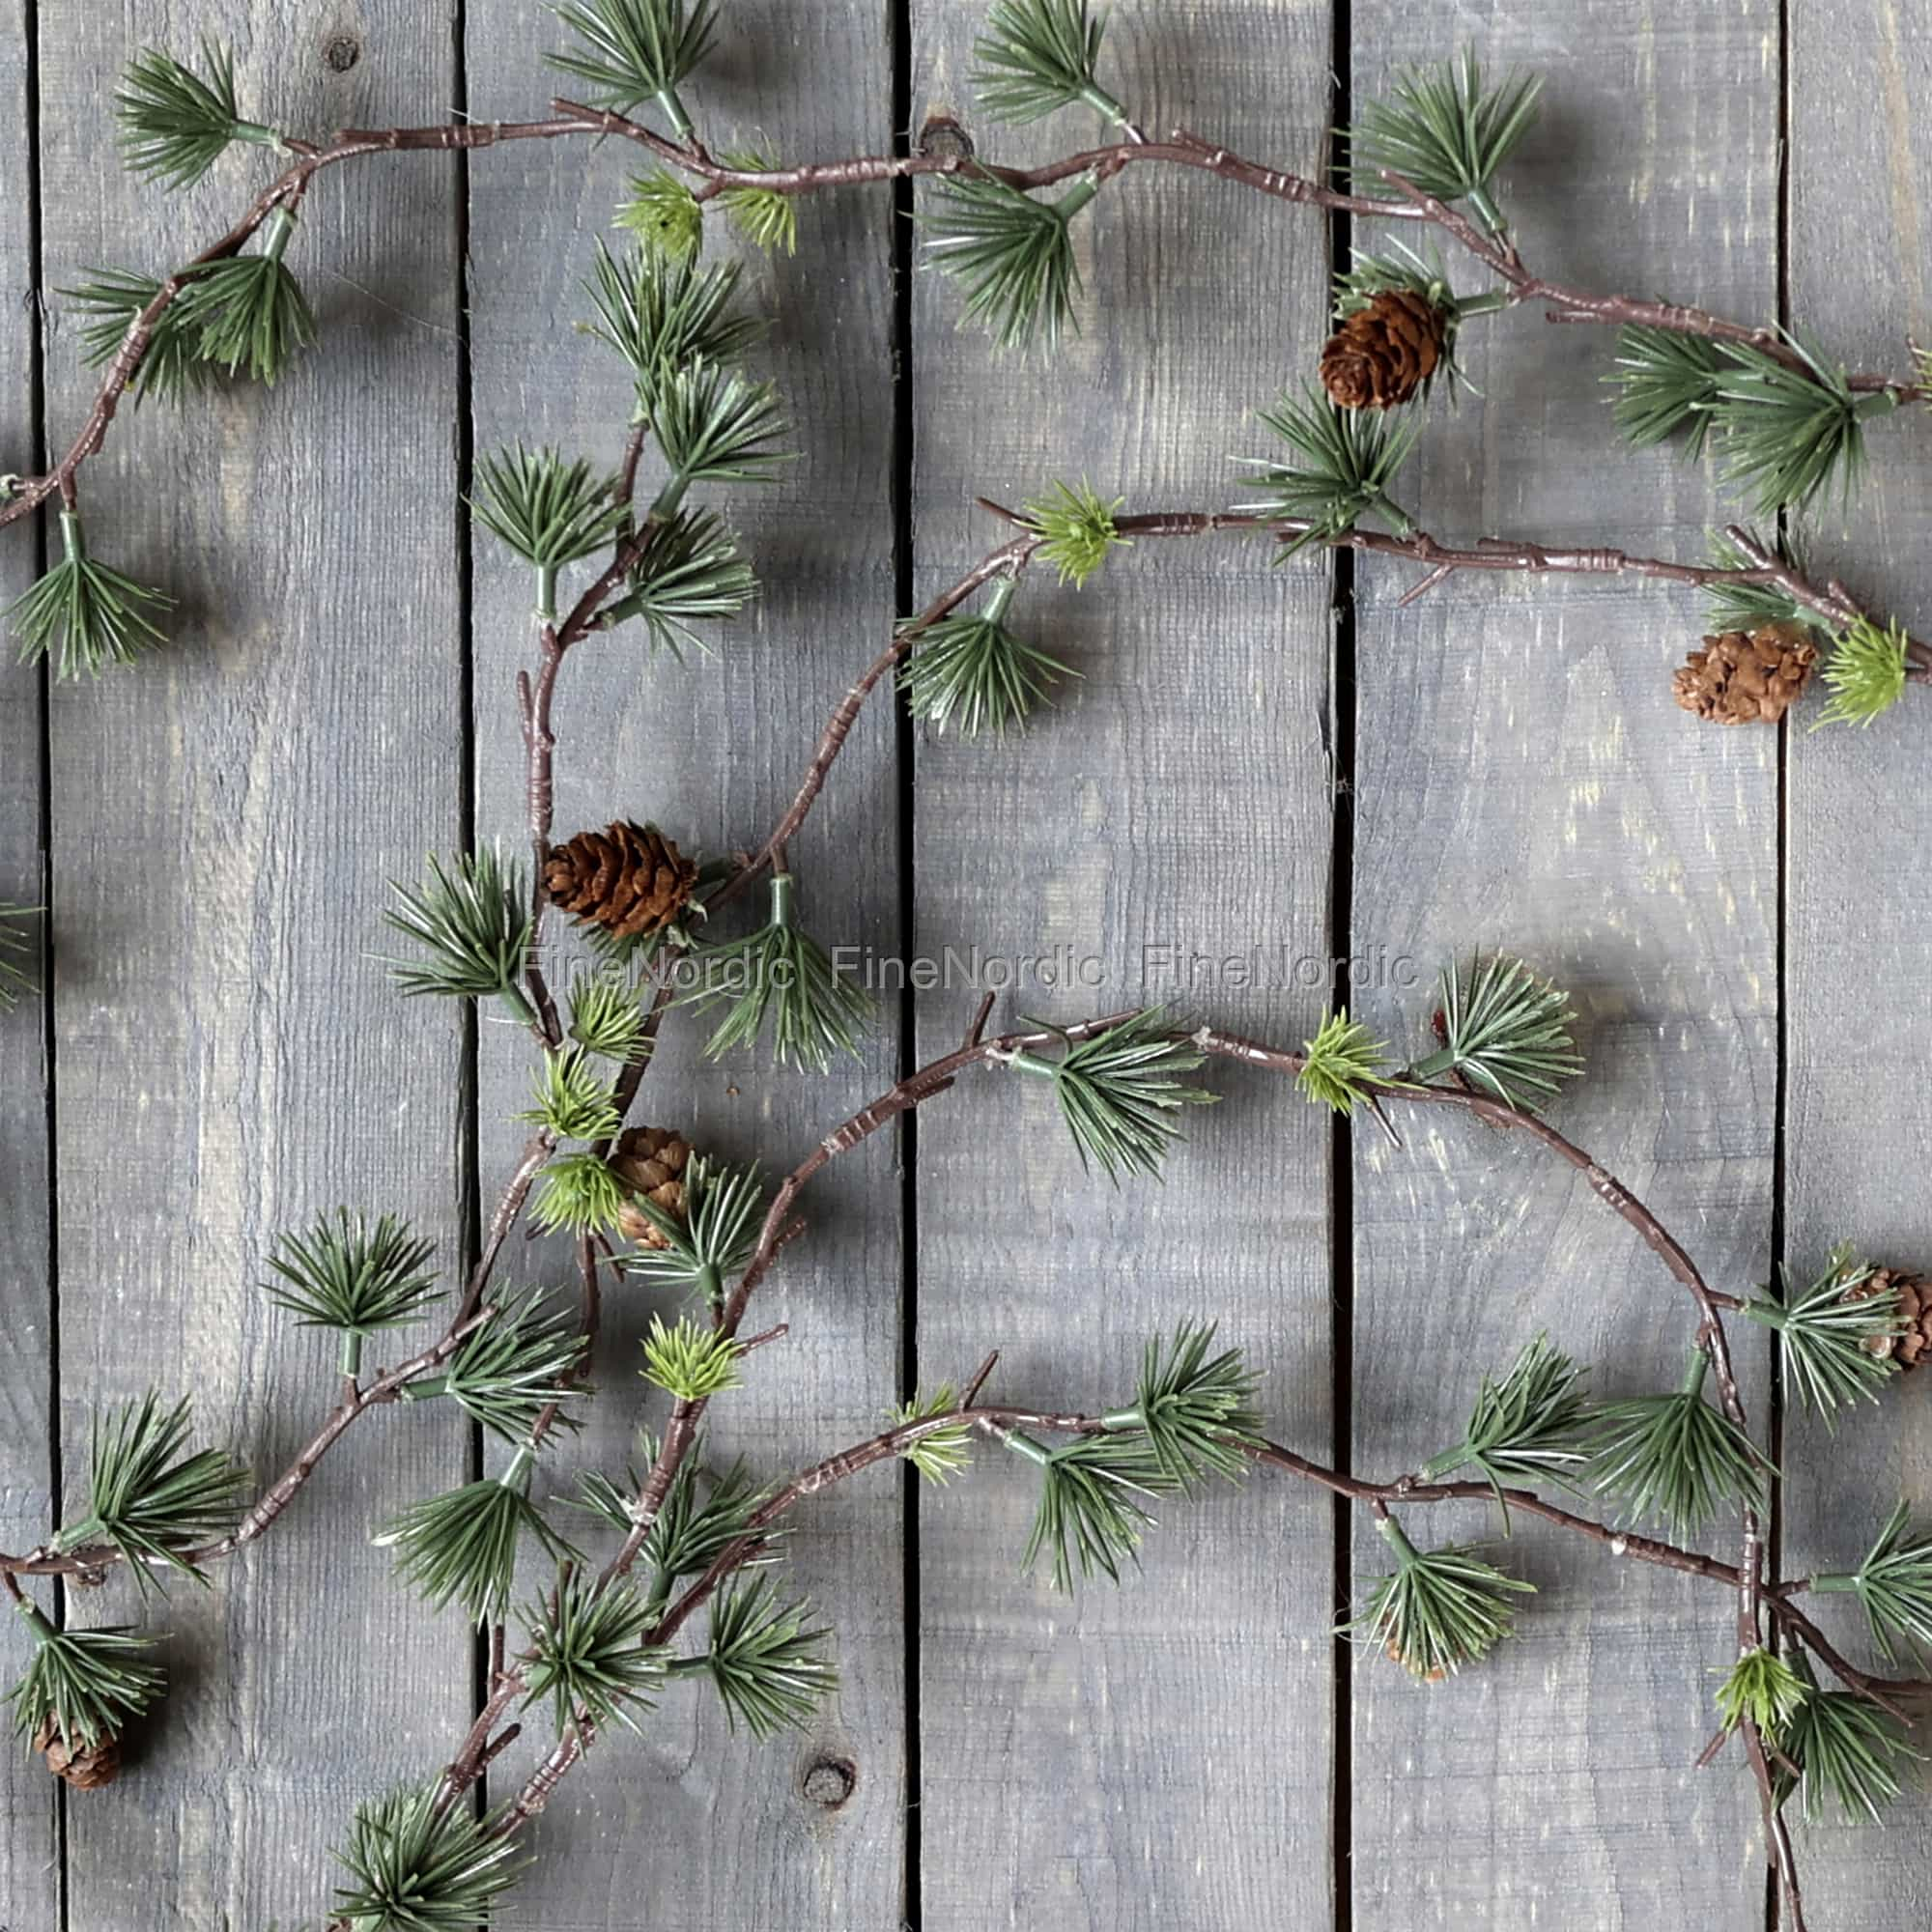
[
  {"x": 355, "y": 1276},
  {"x": 461, "y": 1547},
  {"x": 417, "y": 1864},
  {"x": 766, "y": 218},
  {"x": 1744, "y": 607},
  {"x": 630, "y": 51},
  {"x": 1530, "y": 1427},
  {"x": 941, "y": 1453},
  {"x": 661, "y": 316},
  {"x": 1788, "y": 432},
  {"x": 1442, "y": 129},
  {"x": 701, "y": 1517},
  {"x": 1197, "y": 1410},
  {"x": 1120, "y": 1092},
  {"x": 971, "y": 671},
  {"x": 1676, "y": 1457},
  {"x": 712, "y": 1240},
  {"x": 472, "y": 923},
  {"x": 175, "y": 125},
  {"x": 782, "y": 975},
  {"x": 1089, "y": 1516},
  {"x": 1038, "y": 56},
  {"x": 1012, "y": 252},
  {"x": 1505, "y": 1032},
  {"x": 589, "y": 1656},
  {"x": 148, "y": 1498},
  {"x": 171, "y": 366},
  {"x": 1893, "y": 1586},
  {"x": 247, "y": 313},
  {"x": 689, "y": 572},
  {"x": 547, "y": 511},
  {"x": 579, "y": 1192},
  {"x": 573, "y": 1098},
  {"x": 767, "y": 1662},
  {"x": 1438, "y": 1610},
  {"x": 1342, "y": 1064},
  {"x": 717, "y": 427},
  {"x": 1846, "y": 1747},
  {"x": 1346, "y": 461},
  {"x": 607, "y": 1017},
  {"x": 1666, "y": 384},
  {"x": 691, "y": 1361},
  {"x": 1830, "y": 1334},
  {"x": 517, "y": 1364},
  {"x": 1761, "y": 1686},
  {"x": 16, "y": 946},
  {"x": 1079, "y": 529},
  {"x": 664, "y": 215},
  {"x": 83, "y": 1684},
  {"x": 84, "y": 616},
  {"x": 1865, "y": 673}
]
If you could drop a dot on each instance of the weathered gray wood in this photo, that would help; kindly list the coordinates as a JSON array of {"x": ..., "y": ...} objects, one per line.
[
  {"x": 715, "y": 1828},
  {"x": 231, "y": 1059},
  {"x": 1859, "y": 1031},
  {"x": 1156, "y": 1755},
  {"x": 1525, "y": 781},
  {"x": 29, "y": 1852}
]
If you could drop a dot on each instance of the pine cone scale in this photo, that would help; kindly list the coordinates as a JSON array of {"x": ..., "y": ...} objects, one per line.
[
  {"x": 630, "y": 880},
  {"x": 1384, "y": 353},
  {"x": 85, "y": 1767}
]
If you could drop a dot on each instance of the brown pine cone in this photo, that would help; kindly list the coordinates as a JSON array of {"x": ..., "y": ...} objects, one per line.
[
  {"x": 1746, "y": 678},
  {"x": 630, "y": 878},
  {"x": 650, "y": 1161},
  {"x": 1913, "y": 1341},
  {"x": 85, "y": 1767},
  {"x": 1384, "y": 353}
]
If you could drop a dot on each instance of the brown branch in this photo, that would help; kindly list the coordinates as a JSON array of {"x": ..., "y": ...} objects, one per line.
[{"x": 279, "y": 1494}]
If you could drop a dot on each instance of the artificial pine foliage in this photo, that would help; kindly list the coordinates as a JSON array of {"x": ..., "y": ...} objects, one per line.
[
  {"x": 1836, "y": 1332},
  {"x": 1438, "y": 1610},
  {"x": 589, "y": 1657},
  {"x": 419, "y": 1864},
  {"x": 83, "y": 614},
  {"x": 1012, "y": 252},
  {"x": 516, "y": 1369},
  {"x": 690, "y": 1360},
  {"x": 628, "y": 52},
  {"x": 1894, "y": 1585},
  {"x": 709, "y": 1237},
  {"x": 578, "y": 1192},
  {"x": 175, "y": 123},
  {"x": 355, "y": 1276},
  {"x": 1120, "y": 1091},
  {"x": 1531, "y": 1427},
  {"x": 1761, "y": 1686},
  {"x": 1505, "y": 1033},
  {"x": 1342, "y": 1064},
  {"x": 1676, "y": 1457},
  {"x": 1196, "y": 1409},
  {"x": 766, "y": 218},
  {"x": 766, "y": 1660},
  {"x": 971, "y": 671},
  {"x": 689, "y": 571},
  {"x": 83, "y": 1687},
  {"x": 150, "y": 1498},
  {"x": 941, "y": 1453},
  {"x": 172, "y": 367},
  {"x": 783, "y": 976},
  {"x": 1845, "y": 1749},
  {"x": 248, "y": 312},
  {"x": 1091, "y": 1493},
  {"x": 16, "y": 947},
  {"x": 472, "y": 923},
  {"x": 607, "y": 1017},
  {"x": 1345, "y": 460},
  {"x": 1038, "y": 56},
  {"x": 665, "y": 216},
  {"x": 662, "y": 315},
  {"x": 1865, "y": 673},
  {"x": 1078, "y": 529}
]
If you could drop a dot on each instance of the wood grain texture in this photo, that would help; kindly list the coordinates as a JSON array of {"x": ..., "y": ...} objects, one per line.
[
  {"x": 1858, "y": 1035},
  {"x": 232, "y": 1061},
  {"x": 1156, "y": 1755},
  {"x": 712, "y": 751},
  {"x": 1525, "y": 781},
  {"x": 30, "y": 1876}
]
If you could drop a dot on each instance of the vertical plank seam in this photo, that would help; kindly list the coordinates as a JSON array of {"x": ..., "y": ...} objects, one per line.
[
  {"x": 1341, "y": 1156},
  {"x": 36, "y": 411},
  {"x": 899, "y": 214},
  {"x": 1775, "y": 1403},
  {"x": 468, "y": 1085}
]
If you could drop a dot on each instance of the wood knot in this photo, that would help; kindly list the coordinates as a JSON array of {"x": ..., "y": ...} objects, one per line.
[
  {"x": 828, "y": 1783},
  {"x": 942, "y": 134},
  {"x": 341, "y": 51}
]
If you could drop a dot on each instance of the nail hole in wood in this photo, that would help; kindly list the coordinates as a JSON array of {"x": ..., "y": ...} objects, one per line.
[{"x": 830, "y": 1782}]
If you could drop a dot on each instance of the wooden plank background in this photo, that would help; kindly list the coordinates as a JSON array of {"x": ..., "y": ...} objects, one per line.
[{"x": 1251, "y": 755}]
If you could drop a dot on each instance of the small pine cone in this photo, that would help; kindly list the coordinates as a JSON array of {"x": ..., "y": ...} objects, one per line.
[
  {"x": 1913, "y": 1343},
  {"x": 85, "y": 1767},
  {"x": 630, "y": 878},
  {"x": 1746, "y": 678},
  {"x": 1384, "y": 353},
  {"x": 650, "y": 1161}
]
